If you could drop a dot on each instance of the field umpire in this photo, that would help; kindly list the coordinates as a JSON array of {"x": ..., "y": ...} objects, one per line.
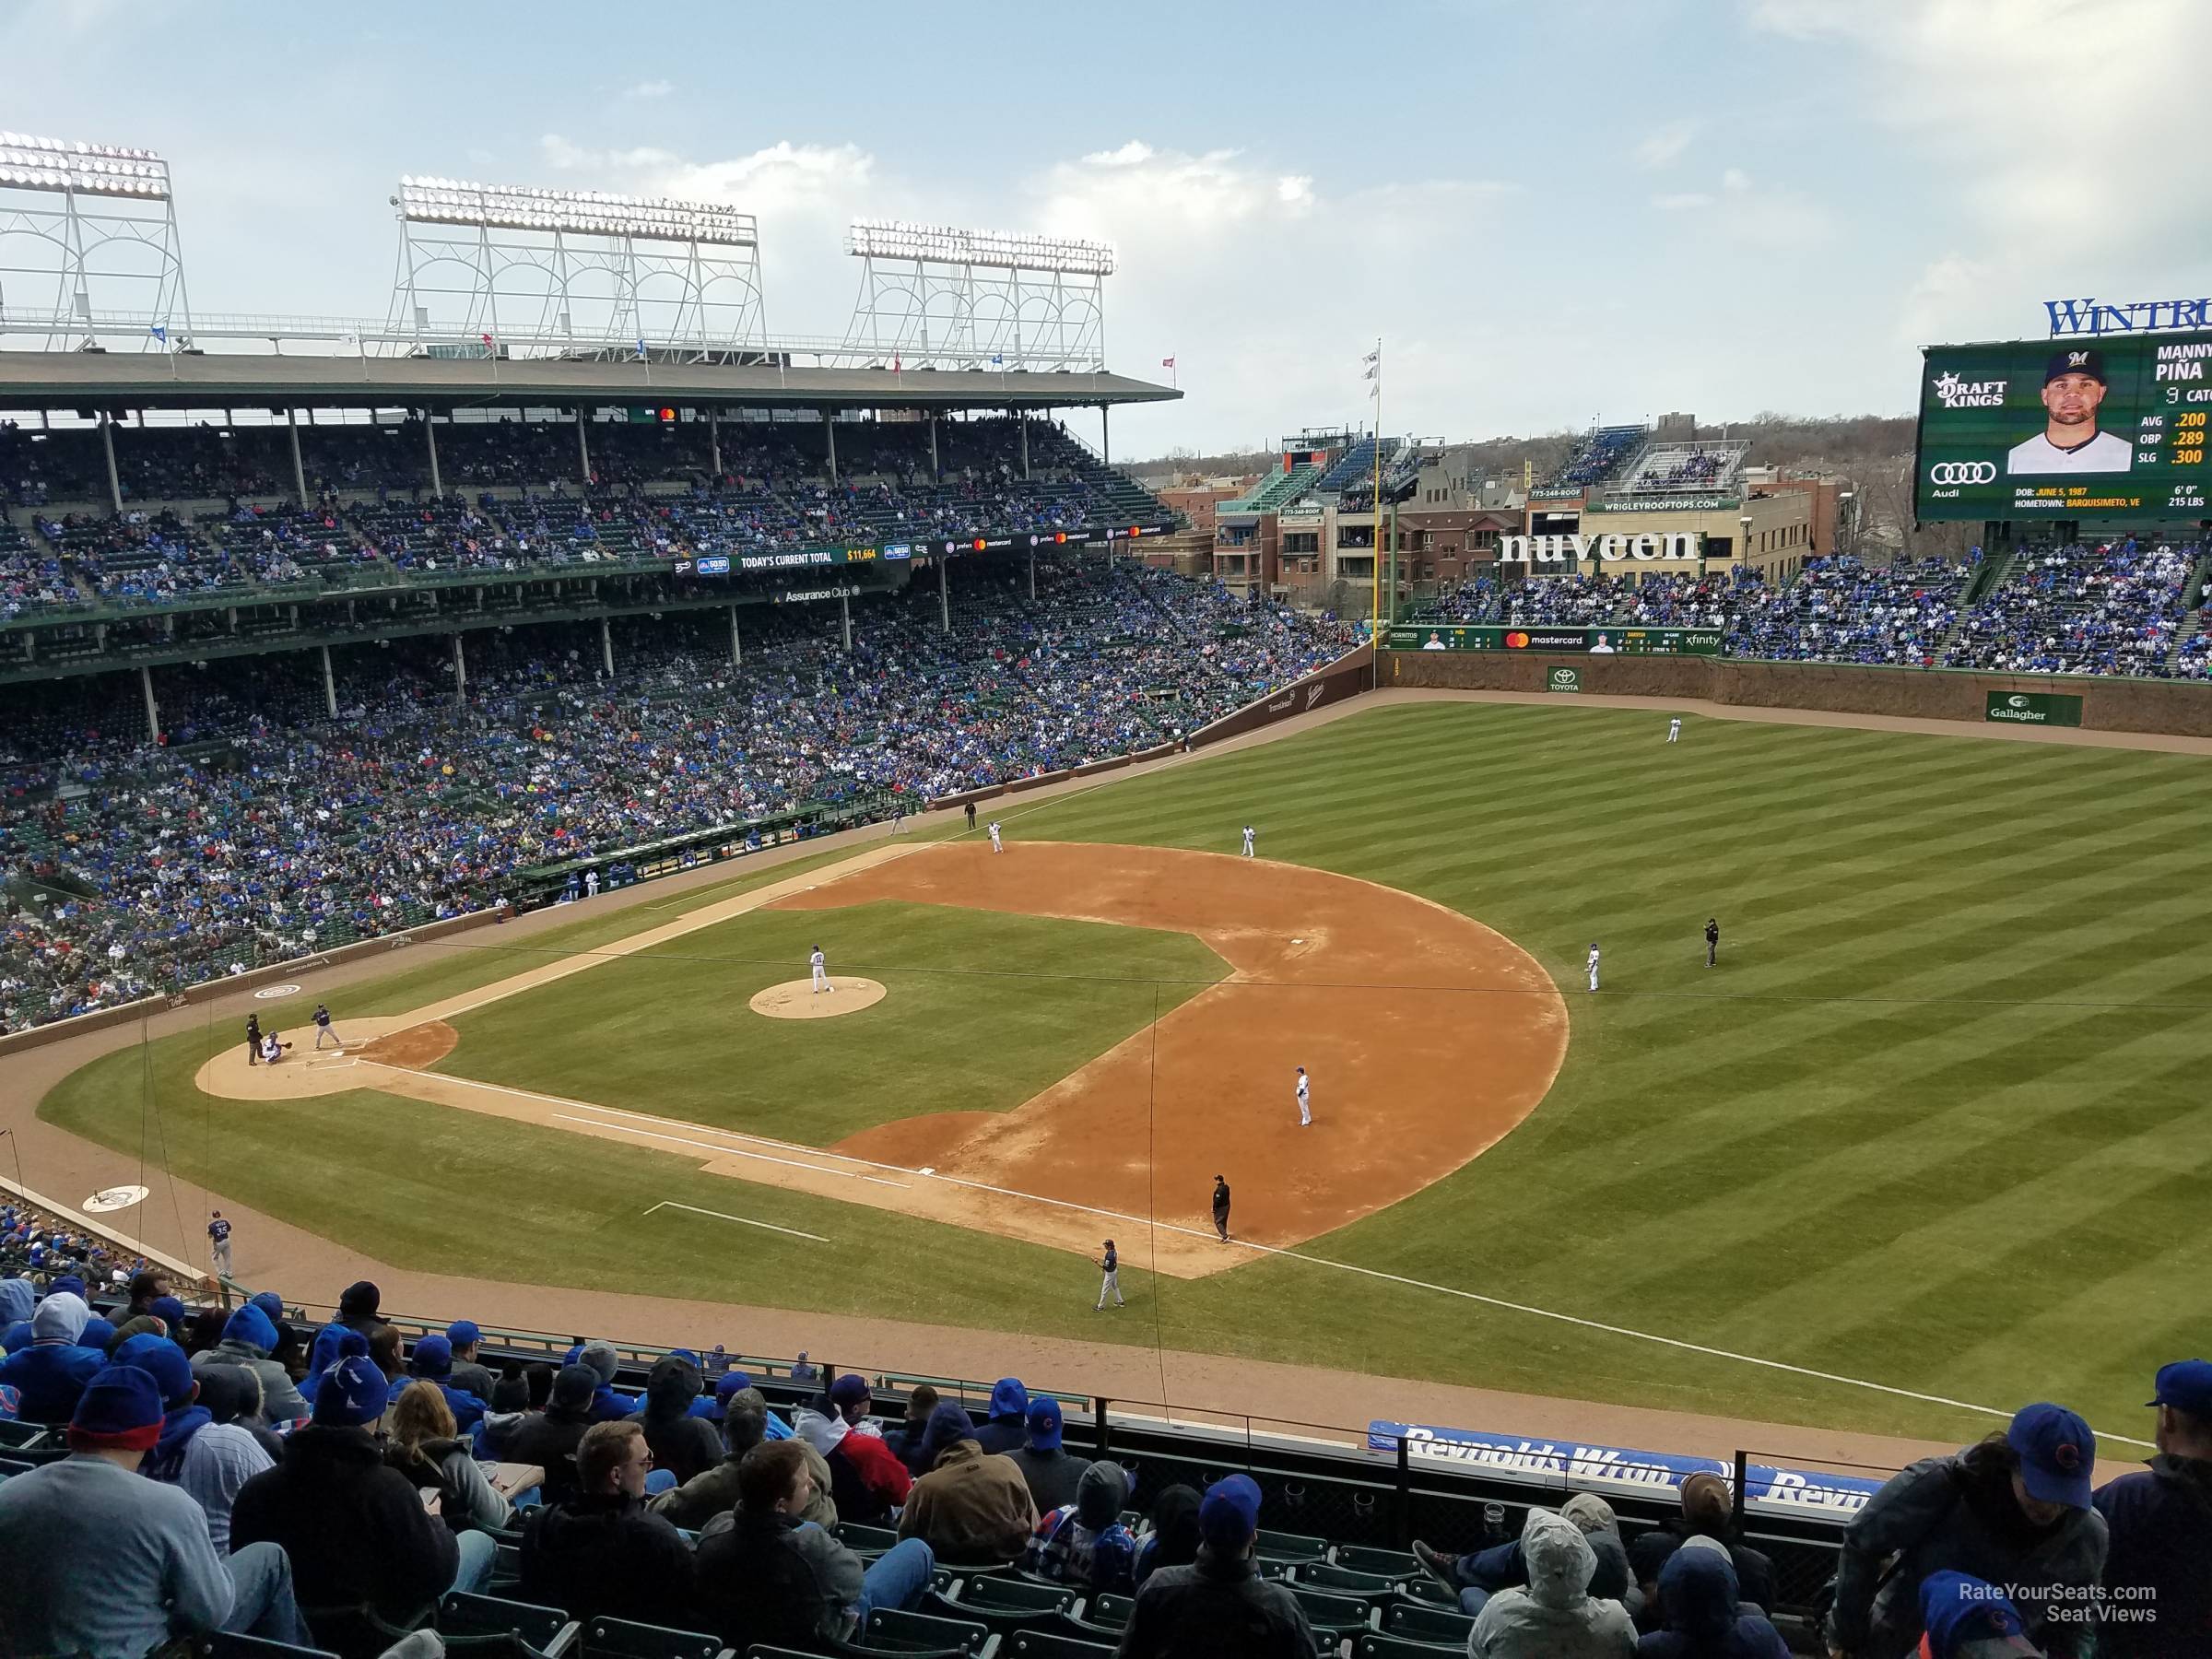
[
  {"x": 1712, "y": 940},
  {"x": 1221, "y": 1207}
]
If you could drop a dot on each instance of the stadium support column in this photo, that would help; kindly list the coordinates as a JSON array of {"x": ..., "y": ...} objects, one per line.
[
  {"x": 935, "y": 470},
  {"x": 714, "y": 442},
  {"x": 431, "y": 432},
  {"x": 606, "y": 646},
  {"x": 153, "y": 715},
  {"x": 1025, "y": 444},
  {"x": 1032, "y": 573},
  {"x": 292, "y": 424},
  {"x": 944, "y": 596},
  {"x": 1105, "y": 437},
  {"x": 830, "y": 437},
  {"x": 583, "y": 446},
  {"x": 107, "y": 444},
  {"x": 844, "y": 617},
  {"x": 737, "y": 645},
  {"x": 460, "y": 673},
  {"x": 330, "y": 684}
]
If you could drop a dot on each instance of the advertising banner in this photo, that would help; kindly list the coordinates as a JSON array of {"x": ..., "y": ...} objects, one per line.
[
  {"x": 1592, "y": 642},
  {"x": 807, "y": 558},
  {"x": 2034, "y": 708},
  {"x": 1564, "y": 677},
  {"x": 1562, "y": 1466}
]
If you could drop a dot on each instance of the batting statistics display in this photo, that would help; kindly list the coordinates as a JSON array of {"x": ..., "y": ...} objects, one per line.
[{"x": 2112, "y": 426}]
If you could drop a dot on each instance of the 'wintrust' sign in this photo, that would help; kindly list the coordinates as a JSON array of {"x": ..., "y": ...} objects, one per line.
[
  {"x": 2141, "y": 316},
  {"x": 1541, "y": 550}
]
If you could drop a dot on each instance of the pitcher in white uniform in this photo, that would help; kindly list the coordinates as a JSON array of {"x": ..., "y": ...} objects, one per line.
[
  {"x": 821, "y": 973},
  {"x": 996, "y": 847},
  {"x": 1305, "y": 1100}
]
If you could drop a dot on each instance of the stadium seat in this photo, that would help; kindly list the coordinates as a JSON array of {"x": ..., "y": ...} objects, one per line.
[
  {"x": 20, "y": 1436},
  {"x": 1426, "y": 1590},
  {"x": 224, "y": 1646},
  {"x": 1416, "y": 1623},
  {"x": 891, "y": 1631},
  {"x": 1290, "y": 1546},
  {"x": 1107, "y": 1611},
  {"x": 1376, "y": 1646},
  {"x": 1045, "y": 1644},
  {"x": 623, "y": 1640},
  {"x": 545, "y": 1631},
  {"x": 1325, "y": 1575},
  {"x": 863, "y": 1540},
  {"x": 1337, "y": 1617},
  {"x": 1013, "y": 1595},
  {"x": 1390, "y": 1563}
]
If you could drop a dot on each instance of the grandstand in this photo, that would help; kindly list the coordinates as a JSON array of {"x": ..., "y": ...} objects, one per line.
[
  {"x": 1595, "y": 461},
  {"x": 1701, "y": 467}
]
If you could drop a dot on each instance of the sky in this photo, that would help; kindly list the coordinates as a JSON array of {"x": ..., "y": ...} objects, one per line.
[{"x": 1548, "y": 214}]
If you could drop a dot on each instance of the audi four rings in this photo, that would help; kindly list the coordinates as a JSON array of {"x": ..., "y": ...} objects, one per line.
[{"x": 1962, "y": 472}]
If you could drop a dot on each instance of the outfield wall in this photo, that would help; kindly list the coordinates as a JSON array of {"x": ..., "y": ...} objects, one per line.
[{"x": 2179, "y": 709}]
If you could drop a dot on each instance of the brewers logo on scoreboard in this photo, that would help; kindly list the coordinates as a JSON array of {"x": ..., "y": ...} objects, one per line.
[{"x": 2113, "y": 428}]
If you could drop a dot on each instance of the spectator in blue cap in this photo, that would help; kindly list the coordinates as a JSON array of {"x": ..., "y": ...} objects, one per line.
[
  {"x": 1053, "y": 1472},
  {"x": 248, "y": 1340},
  {"x": 468, "y": 1375},
  {"x": 1218, "y": 1605},
  {"x": 100, "y": 1561},
  {"x": 1968, "y": 1619},
  {"x": 2158, "y": 1574},
  {"x": 2014, "y": 1508},
  {"x": 432, "y": 1361}
]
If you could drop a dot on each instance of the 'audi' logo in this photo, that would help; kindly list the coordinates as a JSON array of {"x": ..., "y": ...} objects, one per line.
[{"x": 1962, "y": 472}]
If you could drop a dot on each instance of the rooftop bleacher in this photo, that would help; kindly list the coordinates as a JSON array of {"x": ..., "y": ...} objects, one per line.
[
  {"x": 1702, "y": 467},
  {"x": 1596, "y": 458}
]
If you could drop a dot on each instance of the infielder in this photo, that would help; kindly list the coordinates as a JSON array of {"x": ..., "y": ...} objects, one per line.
[
  {"x": 1594, "y": 964},
  {"x": 996, "y": 847},
  {"x": 1110, "y": 1266},
  {"x": 1248, "y": 853},
  {"x": 1674, "y": 730},
  {"x": 1305, "y": 1100},
  {"x": 821, "y": 973},
  {"x": 219, "y": 1243}
]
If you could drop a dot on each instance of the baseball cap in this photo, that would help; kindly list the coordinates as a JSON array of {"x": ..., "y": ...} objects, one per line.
[
  {"x": 1956, "y": 1609},
  {"x": 574, "y": 1388},
  {"x": 433, "y": 1356},
  {"x": 352, "y": 1392},
  {"x": 2081, "y": 359},
  {"x": 162, "y": 1361},
  {"x": 1045, "y": 1423},
  {"x": 119, "y": 1411},
  {"x": 1229, "y": 1514},
  {"x": 850, "y": 1389},
  {"x": 2057, "y": 1453},
  {"x": 2186, "y": 1386},
  {"x": 463, "y": 1331}
]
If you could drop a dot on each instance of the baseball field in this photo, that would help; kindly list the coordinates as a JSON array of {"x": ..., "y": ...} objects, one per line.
[{"x": 1933, "y": 1130}]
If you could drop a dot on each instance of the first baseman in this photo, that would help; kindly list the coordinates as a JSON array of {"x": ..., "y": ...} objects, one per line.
[
  {"x": 821, "y": 973},
  {"x": 1305, "y": 1101}
]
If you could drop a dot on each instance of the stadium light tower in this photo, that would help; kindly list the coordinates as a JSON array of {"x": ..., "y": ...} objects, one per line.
[
  {"x": 933, "y": 295},
  {"x": 104, "y": 259},
  {"x": 563, "y": 269}
]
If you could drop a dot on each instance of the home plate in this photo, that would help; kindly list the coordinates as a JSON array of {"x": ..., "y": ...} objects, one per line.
[{"x": 925, "y": 1170}]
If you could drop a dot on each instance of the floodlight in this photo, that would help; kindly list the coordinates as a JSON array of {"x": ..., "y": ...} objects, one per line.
[
  {"x": 440, "y": 201},
  {"x": 101, "y": 170},
  {"x": 942, "y": 244}
]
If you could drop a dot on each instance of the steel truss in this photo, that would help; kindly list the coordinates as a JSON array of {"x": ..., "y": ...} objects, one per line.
[
  {"x": 932, "y": 297},
  {"x": 87, "y": 228}
]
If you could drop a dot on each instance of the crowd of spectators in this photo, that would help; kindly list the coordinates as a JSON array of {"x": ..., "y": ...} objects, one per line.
[
  {"x": 1597, "y": 456},
  {"x": 263, "y": 829},
  {"x": 1840, "y": 610},
  {"x": 331, "y": 1486},
  {"x": 2113, "y": 608}
]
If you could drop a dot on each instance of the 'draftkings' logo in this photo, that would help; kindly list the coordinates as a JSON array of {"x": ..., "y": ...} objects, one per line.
[{"x": 1955, "y": 393}]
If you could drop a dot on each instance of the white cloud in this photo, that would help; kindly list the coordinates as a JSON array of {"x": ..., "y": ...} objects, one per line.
[
  {"x": 1665, "y": 144},
  {"x": 1736, "y": 180},
  {"x": 1682, "y": 200},
  {"x": 650, "y": 88}
]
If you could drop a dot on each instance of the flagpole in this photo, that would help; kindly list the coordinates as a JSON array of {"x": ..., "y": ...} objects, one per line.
[{"x": 1374, "y": 604}]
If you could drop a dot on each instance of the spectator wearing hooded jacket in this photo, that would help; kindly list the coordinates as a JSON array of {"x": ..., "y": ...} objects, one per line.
[
  {"x": 682, "y": 1444},
  {"x": 1084, "y": 1543},
  {"x": 1053, "y": 1472},
  {"x": 1171, "y": 1537},
  {"x": 549, "y": 1438},
  {"x": 333, "y": 1343},
  {"x": 356, "y": 1531},
  {"x": 1966, "y": 1618},
  {"x": 1007, "y": 1429},
  {"x": 715, "y": 1491},
  {"x": 17, "y": 1301},
  {"x": 2014, "y": 1508},
  {"x": 2160, "y": 1522},
  {"x": 1475, "y": 1578},
  {"x": 971, "y": 1507},
  {"x": 248, "y": 1337},
  {"x": 1555, "y": 1617},
  {"x": 867, "y": 1481},
  {"x": 432, "y": 1361},
  {"x": 100, "y": 1562},
  {"x": 1709, "y": 1511},
  {"x": 359, "y": 1307},
  {"x": 53, "y": 1372},
  {"x": 609, "y": 1404},
  {"x": 1218, "y": 1606},
  {"x": 1702, "y": 1617}
]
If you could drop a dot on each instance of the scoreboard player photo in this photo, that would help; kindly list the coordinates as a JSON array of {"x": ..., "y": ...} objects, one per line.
[{"x": 2073, "y": 388}]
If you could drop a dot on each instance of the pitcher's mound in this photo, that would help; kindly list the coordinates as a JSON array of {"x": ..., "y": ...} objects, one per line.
[{"x": 797, "y": 999}]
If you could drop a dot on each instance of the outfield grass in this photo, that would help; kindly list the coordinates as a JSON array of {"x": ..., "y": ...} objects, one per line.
[
  {"x": 979, "y": 1014},
  {"x": 1935, "y": 1121}
]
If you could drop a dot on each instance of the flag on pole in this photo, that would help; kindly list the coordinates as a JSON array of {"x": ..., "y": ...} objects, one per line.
[
  {"x": 159, "y": 332},
  {"x": 997, "y": 361},
  {"x": 641, "y": 348},
  {"x": 1167, "y": 362},
  {"x": 894, "y": 365}
]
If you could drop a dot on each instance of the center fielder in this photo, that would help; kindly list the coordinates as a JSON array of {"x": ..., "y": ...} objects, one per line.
[
  {"x": 1674, "y": 731},
  {"x": 1594, "y": 964},
  {"x": 821, "y": 973}
]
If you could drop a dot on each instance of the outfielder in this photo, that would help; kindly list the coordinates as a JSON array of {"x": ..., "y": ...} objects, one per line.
[
  {"x": 1674, "y": 730},
  {"x": 1594, "y": 964},
  {"x": 1248, "y": 853},
  {"x": 1110, "y": 1266},
  {"x": 821, "y": 973},
  {"x": 996, "y": 847},
  {"x": 1305, "y": 1100}
]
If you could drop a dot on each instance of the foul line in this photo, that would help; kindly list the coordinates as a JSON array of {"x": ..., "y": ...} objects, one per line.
[{"x": 741, "y": 1220}]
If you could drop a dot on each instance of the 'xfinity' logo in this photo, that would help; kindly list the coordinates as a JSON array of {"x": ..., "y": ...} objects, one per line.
[
  {"x": 1955, "y": 393},
  {"x": 1962, "y": 472}
]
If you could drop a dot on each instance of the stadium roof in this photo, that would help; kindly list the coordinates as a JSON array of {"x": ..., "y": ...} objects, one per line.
[{"x": 33, "y": 380}]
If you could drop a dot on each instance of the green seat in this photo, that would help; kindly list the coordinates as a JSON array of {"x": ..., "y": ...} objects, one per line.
[
  {"x": 1288, "y": 1547},
  {"x": 506, "y": 1563},
  {"x": 1113, "y": 1611},
  {"x": 1046, "y": 1644},
  {"x": 1326, "y": 1575},
  {"x": 891, "y": 1631},
  {"x": 1332, "y": 1614},
  {"x": 1417, "y": 1623},
  {"x": 1390, "y": 1563},
  {"x": 12, "y": 1433},
  {"x": 624, "y": 1639},
  {"x": 1015, "y": 1595},
  {"x": 224, "y": 1646},
  {"x": 1374, "y": 1645},
  {"x": 857, "y": 1538},
  {"x": 545, "y": 1630},
  {"x": 1426, "y": 1589}
]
